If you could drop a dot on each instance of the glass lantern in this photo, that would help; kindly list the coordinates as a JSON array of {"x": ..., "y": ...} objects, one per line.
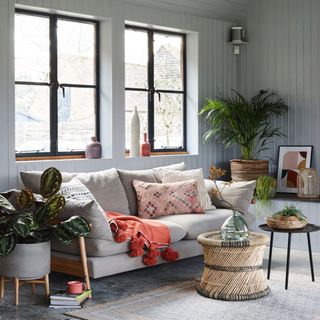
[
  {"x": 234, "y": 228},
  {"x": 308, "y": 183}
]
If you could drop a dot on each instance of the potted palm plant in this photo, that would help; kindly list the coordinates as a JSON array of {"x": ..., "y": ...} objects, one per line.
[
  {"x": 27, "y": 227},
  {"x": 247, "y": 123}
]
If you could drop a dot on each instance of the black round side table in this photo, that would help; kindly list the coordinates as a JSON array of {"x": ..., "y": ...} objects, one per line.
[{"x": 307, "y": 229}]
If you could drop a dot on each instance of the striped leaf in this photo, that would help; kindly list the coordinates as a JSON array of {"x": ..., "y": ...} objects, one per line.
[
  {"x": 7, "y": 245},
  {"x": 50, "y": 182}
]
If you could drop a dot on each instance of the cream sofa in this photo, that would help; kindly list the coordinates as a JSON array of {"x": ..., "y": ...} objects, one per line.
[{"x": 114, "y": 190}]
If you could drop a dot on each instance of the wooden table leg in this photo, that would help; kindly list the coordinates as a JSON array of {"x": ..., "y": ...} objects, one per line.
[
  {"x": 2, "y": 287},
  {"x": 84, "y": 262},
  {"x": 47, "y": 286},
  {"x": 16, "y": 285}
]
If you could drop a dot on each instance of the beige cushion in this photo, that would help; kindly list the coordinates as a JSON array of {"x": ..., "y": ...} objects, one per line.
[
  {"x": 107, "y": 189},
  {"x": 103, "y": 248},
  {"x": 159, "y": 170},
  {"x": 195, "y": 224},
  {"x": 32, "y": 179},
  {"x": 81, "y": 202},
  {"x": 104, "y": 185},
  {"x": 238, "y": 194},
  {"x": 93, "y": 214},
  {"x": 197, "y": 174}
]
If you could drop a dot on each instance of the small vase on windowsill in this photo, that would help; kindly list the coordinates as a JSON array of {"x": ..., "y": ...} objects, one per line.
[
  {"x": 93, "y": 149},
  {"x": 145, "y": 147}
]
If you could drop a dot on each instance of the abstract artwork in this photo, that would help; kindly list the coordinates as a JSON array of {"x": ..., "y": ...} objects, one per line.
[{"x": 291, "y": 160}]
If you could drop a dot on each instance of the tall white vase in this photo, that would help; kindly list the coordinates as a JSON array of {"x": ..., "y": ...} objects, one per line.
[{"x": 135, "y": 134}]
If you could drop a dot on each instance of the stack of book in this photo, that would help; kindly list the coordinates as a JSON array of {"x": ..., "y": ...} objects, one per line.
[{"x": 63, "y": 300}]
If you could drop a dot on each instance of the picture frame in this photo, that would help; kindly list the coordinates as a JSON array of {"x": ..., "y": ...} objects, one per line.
[{"x": 290, "y": 160}]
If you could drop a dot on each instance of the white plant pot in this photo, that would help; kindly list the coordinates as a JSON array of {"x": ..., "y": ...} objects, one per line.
[{"x": 27, "y": 261}]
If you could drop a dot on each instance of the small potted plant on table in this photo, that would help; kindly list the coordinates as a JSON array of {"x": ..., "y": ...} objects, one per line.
[
  {"x": 246, "y": 123},
  {"x": 26, "y": 229},
  {"x": 288, "y": 218}
]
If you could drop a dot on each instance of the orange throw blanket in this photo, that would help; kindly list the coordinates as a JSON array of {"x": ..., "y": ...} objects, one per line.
[{"x": 146, "y": 237}]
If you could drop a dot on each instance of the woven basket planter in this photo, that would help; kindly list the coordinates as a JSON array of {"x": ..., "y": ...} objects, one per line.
[
  {"x": 233, "y": 269},
  {"x": 246, "y": 170}
]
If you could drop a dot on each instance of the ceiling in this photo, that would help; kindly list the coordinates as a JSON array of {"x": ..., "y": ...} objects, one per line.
[{"x": 222, "y": 9}]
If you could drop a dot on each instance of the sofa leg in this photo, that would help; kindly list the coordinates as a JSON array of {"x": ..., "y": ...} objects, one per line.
[
  {"x": 2, "y": 287},
  {"x": 84, "y": 262}
]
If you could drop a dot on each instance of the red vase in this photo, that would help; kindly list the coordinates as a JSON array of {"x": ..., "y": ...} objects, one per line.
[{"x": 145, "y": 147}]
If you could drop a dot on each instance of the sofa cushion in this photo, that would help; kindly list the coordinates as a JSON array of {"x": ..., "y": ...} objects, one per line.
[
  {"x": 195, "y": 224},
  {"x": 93, "y": 214},
  {"x": 107, "y": 189},
  {"x": 163, "y": 199},
  {"x": 158, "y": 171},
  {"x": 126, "y": 177},
  {"x": 103, "y": 248},
  {"x": 104, "y": 185},
  {"x": 81, "y": 202},
  {"x": 32, "y": 179},
  {"x": 239, "y": 194},
  {"x": 196, "y": 174}
]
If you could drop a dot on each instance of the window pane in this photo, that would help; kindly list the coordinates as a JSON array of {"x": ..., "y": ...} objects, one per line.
[
  {"x": 76, "y": 118},
  {"x": 76, "y": 52},
  {"x": 168, "y": 121},
  {"x": 168, "y": 62},
  {"x": 136, "y": 59},
  {"x": 140, "y": 100},
  {"x": 32, "y": 119},
  {"x": 31, "y": 48}
]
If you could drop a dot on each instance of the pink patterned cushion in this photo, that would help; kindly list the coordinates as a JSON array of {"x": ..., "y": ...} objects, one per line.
[{"x": 163, "y": 199}]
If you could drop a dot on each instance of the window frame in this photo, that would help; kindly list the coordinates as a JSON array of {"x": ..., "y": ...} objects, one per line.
[
  {"x": 151, "y": 90},
  {"x": 54, "y": 85}
]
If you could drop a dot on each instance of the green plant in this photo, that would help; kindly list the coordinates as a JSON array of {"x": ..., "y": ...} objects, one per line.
[
  {"x": 33, "y": 221},
  {"x": 247, "y": 123},
  {"x": 289, "y": 211},
  {"x": 265, "y": 188}
]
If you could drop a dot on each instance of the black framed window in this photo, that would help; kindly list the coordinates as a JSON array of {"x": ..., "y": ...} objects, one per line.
[
  {"x": 155, "y": 83},
  {"x": 56, "y": 83}
]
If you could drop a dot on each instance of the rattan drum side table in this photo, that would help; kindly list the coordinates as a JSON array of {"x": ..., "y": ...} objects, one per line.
[{"x": 233, "y": 269}]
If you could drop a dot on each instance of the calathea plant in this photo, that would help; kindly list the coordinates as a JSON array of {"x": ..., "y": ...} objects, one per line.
[{"x": 34, "y": 220}]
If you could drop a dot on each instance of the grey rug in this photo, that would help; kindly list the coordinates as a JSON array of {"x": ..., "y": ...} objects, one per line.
[{"x": 181, "y": 301}]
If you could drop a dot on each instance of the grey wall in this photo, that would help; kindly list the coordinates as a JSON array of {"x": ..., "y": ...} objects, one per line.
[{"x": 283, "y": 54}]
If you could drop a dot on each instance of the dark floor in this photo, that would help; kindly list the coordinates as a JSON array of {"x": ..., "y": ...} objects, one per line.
[
  {"x": 118, "y": 286},
  {"x": 112, "y": 287}
]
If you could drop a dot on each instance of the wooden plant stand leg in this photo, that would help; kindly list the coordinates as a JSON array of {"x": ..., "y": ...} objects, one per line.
[
  {"x": 16, "y": 285},
  {"x": 2, "y": 287},
  {"x": 84, "y": 262},
  {"x": 33, "y": 288},
  {"x": 47, "y": 286}
]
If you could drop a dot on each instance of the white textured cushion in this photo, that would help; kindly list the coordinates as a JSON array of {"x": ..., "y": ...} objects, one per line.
[
  {"x": 239, "y": 194},
  {"x": 197, "y": 174},
  {"x": 81, "y": 202},
  {"x": 158, "y": 171},
  {"x": 195, "y": 224}
]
